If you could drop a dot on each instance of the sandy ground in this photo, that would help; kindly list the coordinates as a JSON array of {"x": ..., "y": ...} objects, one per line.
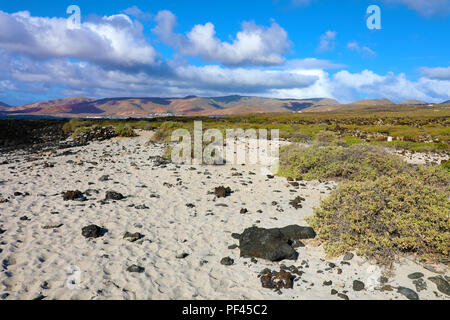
[{"x": 42, "y": 263}]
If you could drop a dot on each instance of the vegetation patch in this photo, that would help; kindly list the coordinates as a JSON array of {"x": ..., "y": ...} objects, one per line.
[
  {"x": 385, "y": 217},
  {"x": 125, "y": 131},
  {"x": 358, "y": 162}
]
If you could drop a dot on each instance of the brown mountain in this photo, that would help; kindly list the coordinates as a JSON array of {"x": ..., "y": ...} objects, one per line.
[
  {"x": 145, "y": 107},
  {"x": 355, "y": 106},
  {"x": 413, "y": 102},
  {"x": 373, "y": 102}
]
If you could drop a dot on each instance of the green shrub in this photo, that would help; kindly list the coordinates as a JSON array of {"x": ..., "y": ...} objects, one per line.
[
  {"x": 385, "y": 217},
  {"x": 80, "y": 130},
  {"x": 125, "y": 131},
  {"x": 446, "y": 165},
  {"x": 357, "y": 162},
  {"x": 73, "y": 124}
]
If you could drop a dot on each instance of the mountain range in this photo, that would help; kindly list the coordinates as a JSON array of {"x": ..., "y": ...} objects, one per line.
[{"x": 80, "y": 107}]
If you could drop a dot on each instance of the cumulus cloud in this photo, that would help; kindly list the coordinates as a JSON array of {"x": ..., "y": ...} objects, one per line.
[
  {"x": 426, "y": 8},
  {"x": 312, "y": 63},
  {"x": 364, "y": 50},
  {"x": 436, "y": 73},
  {"x": 110, "y": 57},
  {"x": 104, "y": 40},
  {"x": 134, "y": 11},
  {"x": 75, "y": 77},
  {"x": 327, "y": 41},
  {"x": 253, "y": 45},
  {"x": 348, "y": 86}
]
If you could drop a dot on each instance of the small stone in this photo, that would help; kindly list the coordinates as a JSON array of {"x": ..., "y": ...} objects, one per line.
[
  {"x": 420, "y": 284},
  {"x": 441, "y": 284},
  {"x": 222, "y": 192},
  {"x": 244, "y": 211},
  {"x": 182, "y": 255},
  {"x": 348, "y": 256},
  {"x": 358, "y": 285},
  {"x": 56, "y": 226},
  {"x": 104, "y": 178},
  {"x": 73, "y": 195},
  {"x": 343, "y": 296},
  {"x": 296, "y": 203},
  {"x": 265, "y": 271},
  {"x": 333, "y": 292},
  {"x": 91, "y": 231},
  {"x": 278, "y": 280},
  {"x": 327, "y": 283},
  {"x": 415, "y": 275},
  {"x": 135, "y": 269},
  {"x": 132, "y": 237},
  {"x": 408, "y": 293},
  {"x": 227, "y": 261},
  {"x": 112, "y": 195},
  {"x": 233, "y": 246}
]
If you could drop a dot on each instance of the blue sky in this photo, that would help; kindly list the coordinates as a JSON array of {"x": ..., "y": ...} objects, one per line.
[{"x": 276, "y": 48}]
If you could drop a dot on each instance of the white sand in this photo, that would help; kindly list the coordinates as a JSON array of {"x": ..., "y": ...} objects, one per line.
[{"x": 32, "y": 255}]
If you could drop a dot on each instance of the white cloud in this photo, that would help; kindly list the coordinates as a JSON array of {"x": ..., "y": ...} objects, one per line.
[
  {"x": 436, "y": 73},
  {"x": 364, "y": 50},
  {"x": 113, "y": 40},
  {"x": 348, "y": 86},
  {"x": 426, "y": 8},
  {"x": 327, "y": 41},
  {"x": 312, "y": 63},
  {"x": 134, "y": 11},
  {"x": 253, "y": 45},
  {"x": 110, "y": 57}
]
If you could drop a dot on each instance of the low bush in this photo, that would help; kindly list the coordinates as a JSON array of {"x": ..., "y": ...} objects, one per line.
[
  {"x": 125, "y": 131},
  {"x": 385, "y": 217},
  {"x": 357, "y": 162}
]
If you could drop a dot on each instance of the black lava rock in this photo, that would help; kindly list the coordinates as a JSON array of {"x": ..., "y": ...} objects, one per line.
[
  {"x": 358, "y": 285},
  {"x": 408, "y": 293},
  {"x": 92, "y": 231},
  {"x": 135, "y": 269},
  {"x": 112, "y": 195},
  {"x": 227, "y": 261},
  {"x": 269, "y": 244}
]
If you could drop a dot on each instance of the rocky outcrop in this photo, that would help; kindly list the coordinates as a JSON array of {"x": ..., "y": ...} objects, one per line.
[
  {"x": 273, "y": 244},
  {"x": 95, "y": 134}
]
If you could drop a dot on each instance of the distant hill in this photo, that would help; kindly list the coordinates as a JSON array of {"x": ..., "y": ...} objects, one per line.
[
  {"x": 413, "y": 102},
  {"x": 3, "y": 106},
  {"x": 366, "y": 104},
  {"x": 446, "y": 102},
  {"x": 144, "y": 107},
  {"x": 372, "y": 102}
]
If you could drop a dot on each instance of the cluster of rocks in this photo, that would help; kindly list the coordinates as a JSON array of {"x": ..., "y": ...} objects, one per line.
[
  {"x": 95, "y": 134},
  {"x": 31, "y": 135},
  {"x": 222, "y": 192},
  {"x": 79, "y": 196},
  {"x": 277, "y": 280}
]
